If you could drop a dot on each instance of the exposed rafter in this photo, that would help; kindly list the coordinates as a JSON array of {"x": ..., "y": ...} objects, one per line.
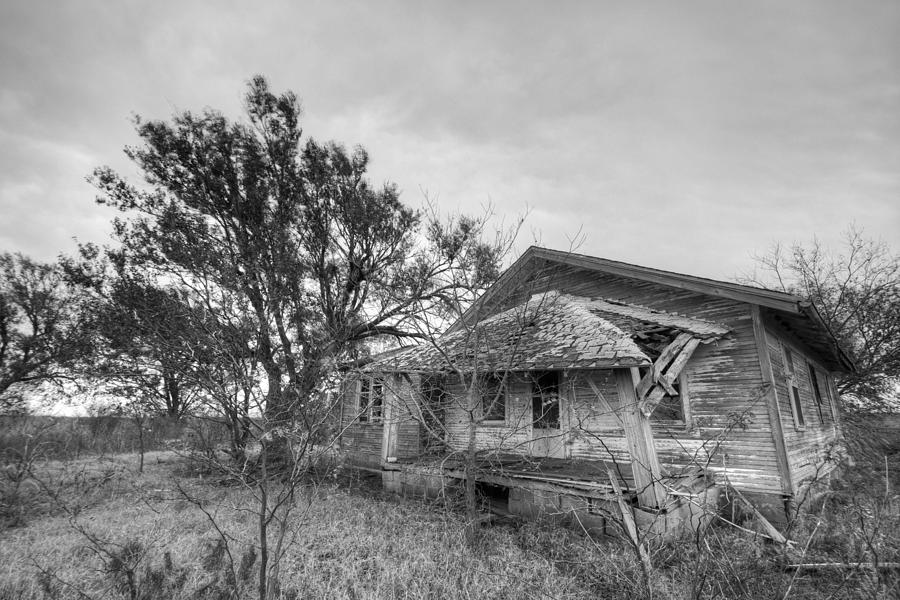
[{"x": 654, "y": 386}]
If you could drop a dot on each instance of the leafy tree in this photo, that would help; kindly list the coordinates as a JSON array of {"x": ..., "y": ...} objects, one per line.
[
  {"x": 137, "y": 330},
  {"x": 293, "y": 260},
  {"x": 39, "y": 327},
  {"x": 857, "y": 292},
  {"x": 309, "y": 254}
]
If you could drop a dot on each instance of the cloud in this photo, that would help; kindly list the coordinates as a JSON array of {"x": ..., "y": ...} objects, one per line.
[{"x": 663, "y": 130}]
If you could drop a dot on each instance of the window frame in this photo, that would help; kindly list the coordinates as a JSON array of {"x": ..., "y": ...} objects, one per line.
[
  {"x": 793, "y": 387},
  {"x": 493, "y": 390},
  {"x": 816, "y": 389},
  {"x": 367, "y": 409},
  {"x": 536, "y": 389},
  {"x": 684, "y": 395}
]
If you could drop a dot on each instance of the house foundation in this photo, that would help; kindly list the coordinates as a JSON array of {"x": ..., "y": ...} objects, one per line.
[{"x": 588, "y": 506}]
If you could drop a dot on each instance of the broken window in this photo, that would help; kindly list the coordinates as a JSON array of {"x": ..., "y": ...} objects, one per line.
[
  {"x": 371, "y": 399},
  {"x": 493, "y": 397},
  {"x": 545, "y": 400},
  {"x": 672, "y": 408}
]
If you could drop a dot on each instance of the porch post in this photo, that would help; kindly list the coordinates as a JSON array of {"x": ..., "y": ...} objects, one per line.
[
  {"x": 390, "y": 416},
  {"x": 639, "y": 438}
]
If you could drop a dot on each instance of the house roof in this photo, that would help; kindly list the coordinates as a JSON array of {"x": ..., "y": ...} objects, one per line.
[
  {"x": 793, "y": 312},
  {"x": 549, "y": 331}
]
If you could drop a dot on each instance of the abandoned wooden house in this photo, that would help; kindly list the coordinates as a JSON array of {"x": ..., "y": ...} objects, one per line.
[{"x": 576, "y": 381}]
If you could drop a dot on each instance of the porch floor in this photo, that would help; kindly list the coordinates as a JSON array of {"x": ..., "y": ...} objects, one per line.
[{"x": 586, "y": 476}]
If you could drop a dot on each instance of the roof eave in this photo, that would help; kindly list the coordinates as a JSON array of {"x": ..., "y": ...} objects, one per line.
[{"x": 809, "y": 309}]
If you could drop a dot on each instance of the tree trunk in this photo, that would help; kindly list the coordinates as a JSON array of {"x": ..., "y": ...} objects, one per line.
[
  {"x": 263, "y": 525},
  {"x": 471, "y": 474},
  {"x": 140, "y": 425}
]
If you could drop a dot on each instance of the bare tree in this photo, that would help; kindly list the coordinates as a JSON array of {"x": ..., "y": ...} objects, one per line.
[{"x": 856, "y": 290}]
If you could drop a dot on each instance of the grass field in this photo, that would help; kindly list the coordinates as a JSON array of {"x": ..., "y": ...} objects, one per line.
[{"x": 95, "y": 528}]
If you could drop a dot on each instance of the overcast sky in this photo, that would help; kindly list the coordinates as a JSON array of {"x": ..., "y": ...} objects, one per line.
[{"x": 679, "y": 135}]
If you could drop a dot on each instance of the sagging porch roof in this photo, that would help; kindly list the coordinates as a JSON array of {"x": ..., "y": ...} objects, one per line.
[{"x": 550, "y": 331}]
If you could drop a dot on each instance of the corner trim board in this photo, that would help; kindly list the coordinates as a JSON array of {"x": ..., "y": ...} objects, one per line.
[{"x": 771, "y": 396}]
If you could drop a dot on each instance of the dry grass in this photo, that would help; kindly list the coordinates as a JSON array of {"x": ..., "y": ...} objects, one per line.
[
  {"x": 347, "y": 545},
  {"x": 109, "y": 523}
]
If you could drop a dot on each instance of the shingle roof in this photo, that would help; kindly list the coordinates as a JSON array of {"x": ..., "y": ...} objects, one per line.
[{"x": 548, "y": 332}]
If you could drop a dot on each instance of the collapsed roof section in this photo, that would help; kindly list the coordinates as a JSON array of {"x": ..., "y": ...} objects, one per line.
[{"x": 553, "y": 331}]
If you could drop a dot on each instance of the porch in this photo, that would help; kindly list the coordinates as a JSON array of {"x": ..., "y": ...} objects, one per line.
[{"x": 588, "y": 494}]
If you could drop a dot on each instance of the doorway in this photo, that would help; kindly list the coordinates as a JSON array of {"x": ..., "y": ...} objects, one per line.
[{"x": 546, "y": 432}]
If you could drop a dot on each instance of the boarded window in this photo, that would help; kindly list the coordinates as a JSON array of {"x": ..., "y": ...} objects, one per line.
[
  {"x": 371, "y": 399},
  {"x": 493, "y": 397},
  {"x": 545, "y": 400}
]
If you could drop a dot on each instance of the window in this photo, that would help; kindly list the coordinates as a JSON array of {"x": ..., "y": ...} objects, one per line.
[
  {"x": 431, "y": 433},
  {"x": 788, "y": 362},
  {"x": 545, "y": 400},
  {"x": 493, "y": 398},
  {"x": 817, "y": 393},
  {"x": 673, "y": 408},
  {"x": 371, "y": 399},
  {"x": 798, "y": 408},
  {"x": 793, "y": 390}
]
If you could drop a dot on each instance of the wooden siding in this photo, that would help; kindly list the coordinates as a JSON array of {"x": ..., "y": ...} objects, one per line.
[
  {"x": 360, "y": 442},
  {"x": 363, "y": 443},
  {"x": 808, "y": 447},
  {"x": 512, "y": 436},
  {"x": 404, "y": 417}
]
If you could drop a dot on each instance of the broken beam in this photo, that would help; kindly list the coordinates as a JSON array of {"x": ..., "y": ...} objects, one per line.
[
  {"x": 667, "y": 355},
  {"x": 639, "y": 438},
  {"x": 648, "y": 404}
]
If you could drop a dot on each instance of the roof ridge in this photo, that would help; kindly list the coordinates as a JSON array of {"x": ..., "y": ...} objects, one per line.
[{"x": 611, "y": 262}]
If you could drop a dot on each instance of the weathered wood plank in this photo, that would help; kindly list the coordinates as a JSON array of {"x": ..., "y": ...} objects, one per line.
[
  {"x": 649, "y": 404},
  {"x": 681, "y": 360},
  {"x": 656, "y": 371},
  {"x": 602, "y": 400},
  {"x": 628, "y": 520},
  {"x": 771, "y": 397},
  {"x": 639, "y": 438}
]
